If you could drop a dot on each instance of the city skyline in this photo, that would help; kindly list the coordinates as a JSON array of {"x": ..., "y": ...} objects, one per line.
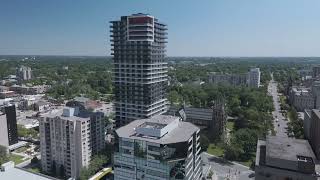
[{"x": 210, "y": 28}]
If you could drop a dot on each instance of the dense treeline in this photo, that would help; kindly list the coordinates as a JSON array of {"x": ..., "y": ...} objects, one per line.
[
  {"x": 68, "y": 76},
  {"x": 251, "y": 108}
]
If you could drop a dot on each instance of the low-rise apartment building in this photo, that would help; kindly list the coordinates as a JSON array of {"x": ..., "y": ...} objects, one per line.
[
  {"x": 29, "y": 90},
  {"x": 228, "y": 79},
  {"x": 301, "y": 98},
  {"x": 284, "y": 158}
]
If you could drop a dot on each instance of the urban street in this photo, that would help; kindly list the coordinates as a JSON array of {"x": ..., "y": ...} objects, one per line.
[
  {"x": 223, "y": 169},
  {"x": 280, "y": 123}
]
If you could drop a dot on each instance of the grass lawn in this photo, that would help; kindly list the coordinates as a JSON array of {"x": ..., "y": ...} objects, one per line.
[
  {"x": 249, "y": 161},
  {"x": 35, "y": 170},
  {"x": 21, "y": 149},
  {"x": 16, "y": 158},
  {"x": 230, "y": 125},
  {"x": 282, "y": 99},
  {"x": 215, "y": 150},
  {"x": 245, "y": 163}
]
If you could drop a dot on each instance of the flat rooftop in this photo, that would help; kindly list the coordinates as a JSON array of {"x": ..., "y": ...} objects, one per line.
[
  {"x": 287, "y": 148},
  {"x": 58, "y": 113},
  {"x": 181, "y": 133},
  {"x": 299, "y": 90},
  {"x": 152, "y": 125},
  {"x": 17, "y": 173}
]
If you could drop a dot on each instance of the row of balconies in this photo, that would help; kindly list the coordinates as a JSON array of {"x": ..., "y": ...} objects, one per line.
[
  {"x": 146, "y": 78},
  {"x": 127, "y": 114},
  {"x": 142, "y": 82},
  {"x": 124, "y": 43},
  {"x": 152, "y": 62},
  {"x": 152, "y": 100},
  {"x": 139, "y": 79},
  {"x": 140, "y": 70},
  {"x": 132, "y": 48},
  {"x": 139, "y": 28},
  {"x": 146, "y": 102},
  {"x": 118, "y": 72},
  {"x": 138, "y": 55},
  {"x": 146, "y": 25},
  {"x": 129, "y": 98},
  {"x": 139, "y": 75},
  {"x": 151, "y": 59},
  {"x": 160, "y": 40},
  {"x": 161, "y": 28},
  {"x": 124, "y": 104},
  {"x": 141, "y": 33},
  {"x": 133, "y": 97},
  {"x": 138, "y": 64},
  {"x": 124, "y": 90}
]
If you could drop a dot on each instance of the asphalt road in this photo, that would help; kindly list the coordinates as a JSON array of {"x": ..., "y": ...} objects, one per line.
[
  {"x": 226, "y": 169},
  {"x": 280, "y": 125}
]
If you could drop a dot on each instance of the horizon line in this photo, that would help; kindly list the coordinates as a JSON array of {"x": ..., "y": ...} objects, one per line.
[{"x": 167, "y": 56}]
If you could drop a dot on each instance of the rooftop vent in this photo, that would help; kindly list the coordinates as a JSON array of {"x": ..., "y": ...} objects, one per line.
[{"x": 68, "y": 112}]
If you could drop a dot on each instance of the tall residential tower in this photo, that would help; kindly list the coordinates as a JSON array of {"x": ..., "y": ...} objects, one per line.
[
  {"x": 68, "y": 139},
  {"x": 8, "y": 126},
  {"x": 254, "y": 77},
  {"x": 140, "y": 70}
]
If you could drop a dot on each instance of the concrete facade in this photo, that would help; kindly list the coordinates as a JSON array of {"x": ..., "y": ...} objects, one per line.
[
  {"x": 307, "y": 123},
  {"x": 314, "y": 137},
  {"x": 8, "y": 126},
  {"x": 254, "y": 77},
  {"x": 315, "y": 71},
  {"x": 284, "y": 158},
  {"x": 4, "y": 140},
  {"x": 68, "y": 139},
  {"x": 301, "y": 98},
  {"x": 24, "y": 73},
  {"x": 228, "y": 79},
  {"x": 315, "y": 89},
  {"x": 40, "y": 89}
]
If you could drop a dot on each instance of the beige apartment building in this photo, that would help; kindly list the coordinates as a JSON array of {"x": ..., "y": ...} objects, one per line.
[{"x": 68, "y": 139}]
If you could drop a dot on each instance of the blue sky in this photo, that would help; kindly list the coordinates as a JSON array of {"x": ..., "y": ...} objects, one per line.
[{"x": 196, "y": 27}]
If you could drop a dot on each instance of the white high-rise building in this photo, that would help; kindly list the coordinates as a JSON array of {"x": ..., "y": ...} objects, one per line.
[
  {"x": 24, "y": 73},
  {"x": 160, "y": 147},
  {"x": 68, "y": 139},
  {"x": 254, "y": 77}
]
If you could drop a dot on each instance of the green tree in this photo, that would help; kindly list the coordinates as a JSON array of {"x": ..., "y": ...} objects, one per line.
[
  {"x": 96, "y": 164},
  {"x": 3, "y": 155},
  {"x": 204, "y": 142},
  {"x": 233, "y": 151},
  {"x": 173, "y": 97},
  {"x": 27, "y": 133},
  {"x": 247, "y": 140}
]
